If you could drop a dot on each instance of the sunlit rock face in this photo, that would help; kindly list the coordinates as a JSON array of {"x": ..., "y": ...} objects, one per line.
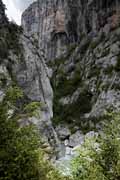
[
  {"x": 54, "y": 23},
  {"x": 46, "y": 21},
  {"x": 58, "y": 23}
]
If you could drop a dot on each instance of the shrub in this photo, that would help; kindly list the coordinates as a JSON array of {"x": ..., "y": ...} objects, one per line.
[
  {"x": 99, "y": 158},
  {"x": 13, "y": 94},
  {"x": 21, "y": 153},
  {"x": 32, "y": 108}
]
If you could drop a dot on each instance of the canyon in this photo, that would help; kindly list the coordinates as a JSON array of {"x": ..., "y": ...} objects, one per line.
[{"x": 70, "y": 62}]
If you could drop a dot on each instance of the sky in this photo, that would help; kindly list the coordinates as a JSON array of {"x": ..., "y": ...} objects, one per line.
[{"x": 15, "y": 9}]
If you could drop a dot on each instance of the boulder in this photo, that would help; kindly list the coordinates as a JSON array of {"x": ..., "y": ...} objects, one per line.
[
  {"x": 63, "y": 132},
  {"x": 76, "y": 139}
]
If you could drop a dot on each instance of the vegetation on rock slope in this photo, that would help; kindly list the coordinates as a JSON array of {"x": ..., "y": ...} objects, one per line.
[
  {"x": 99, "y": 157},
  {"x": 21, "y": 153},
  {"x": 21, "y": 150}
]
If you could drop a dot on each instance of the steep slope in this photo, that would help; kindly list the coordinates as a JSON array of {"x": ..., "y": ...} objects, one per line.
[
  {"x": 22, "y": 65},
  {"x": 57, "y": 23},
  {"x": 80, "y": 42},
  {"x": 67, "y": 58}
]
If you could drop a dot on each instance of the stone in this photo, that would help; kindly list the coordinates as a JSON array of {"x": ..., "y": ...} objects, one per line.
[
  {"x": 68, "y": 151},
  {"x": 66, "y": 142},
  {"x": 45, "y": 145},
  {"x": 58, "y": 23},
  {"x": 91, "y": 134},
  {"x": 63, "y": 132},
  {"x": 10, "y": 113},
  {"x": 76, "y": 139},
  {"x": 115, "y": 49},
  {"x": 48, "y": 150},
  {"x": 65, "y": 100},
  {"x": 75, "y": 96},
  {"x": 57, "y": 26}
]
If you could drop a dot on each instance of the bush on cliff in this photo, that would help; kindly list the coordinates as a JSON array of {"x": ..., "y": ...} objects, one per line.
[{"x": 99, "y": 158}]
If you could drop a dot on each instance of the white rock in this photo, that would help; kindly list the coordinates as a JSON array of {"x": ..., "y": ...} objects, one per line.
[
  {"x": 76, "y": 139},
  {"x": 63, "y": 132},
  {"x": 68, "y": 151}
]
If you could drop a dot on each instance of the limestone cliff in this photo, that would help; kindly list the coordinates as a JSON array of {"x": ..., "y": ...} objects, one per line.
[
  {"x": 80, "y": 43},
  {"x": 76, "y": 36},
  {"x": 22, "y": 64},
  {"x": 59, "y": 23}
]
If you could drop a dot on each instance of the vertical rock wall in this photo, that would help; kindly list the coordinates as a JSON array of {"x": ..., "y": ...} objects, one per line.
[{"x": 58, "y": 23}]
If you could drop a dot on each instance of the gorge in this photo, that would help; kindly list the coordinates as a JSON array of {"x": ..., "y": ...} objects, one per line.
[{"x": 69, "y": 61}]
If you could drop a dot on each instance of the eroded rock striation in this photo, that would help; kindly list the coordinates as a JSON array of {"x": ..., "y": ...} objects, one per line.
[{"x": 60, "y": 23}]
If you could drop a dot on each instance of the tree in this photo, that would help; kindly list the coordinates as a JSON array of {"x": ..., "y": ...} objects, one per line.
[
  {"x": 19, "y": 147},
  {"x": 21, "y": 153}
]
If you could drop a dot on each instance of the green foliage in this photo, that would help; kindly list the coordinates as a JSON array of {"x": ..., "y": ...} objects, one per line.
[
  {"x": 71, "y": 112},
  {"x": 110, "y": 145},
  {"x": 55, "y": 175},
  {"x": 13, "y": 35},
  {"x": 85, "y": 166},
  {"x": 13, "y": 94},
  {"x": 99, "y": 158},
  {"x": 18, "y": 149},
  {"x": 32, "y": 108},
  {"x": 21, "y": 153},
  {"x": 9, "y": 40},
  {"x": 68, "y": 86}
]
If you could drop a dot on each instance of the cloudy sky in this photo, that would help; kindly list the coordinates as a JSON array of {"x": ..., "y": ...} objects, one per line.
[{"x": 15, "y": 8}]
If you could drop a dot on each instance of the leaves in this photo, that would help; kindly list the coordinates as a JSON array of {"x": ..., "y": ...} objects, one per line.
[
  {"x": 21, "y": 153},
  {"x": 99, "y": 158},
  {"x": 32, "y": 108}
]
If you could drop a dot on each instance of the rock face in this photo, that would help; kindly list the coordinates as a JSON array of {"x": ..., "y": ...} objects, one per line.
[
  {"x": 33, "y": 77},
  {"x": 58, "y": 23},
  {"x": 23, "y": 64},
  {"x": 79, "y": 41},
  {"x": 46, "y": 21}
]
